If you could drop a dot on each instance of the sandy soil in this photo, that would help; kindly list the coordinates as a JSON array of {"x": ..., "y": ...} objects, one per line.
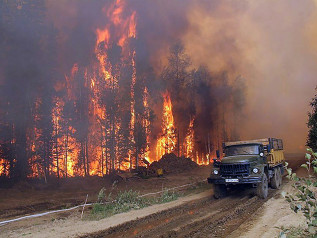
[
  {"x": 275, "y": 213},
  {"x": 268, "y": 220}
]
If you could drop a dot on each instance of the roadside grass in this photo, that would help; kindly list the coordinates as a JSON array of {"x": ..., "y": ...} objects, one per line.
[
  {"x": 197, "y": 188},
  {"x": 128, "y": 200},
  {"x": 295, "y": 232}
]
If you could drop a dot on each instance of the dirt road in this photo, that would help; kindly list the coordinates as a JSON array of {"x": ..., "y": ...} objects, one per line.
[
  {"x": 205, "y": 217},
  {"x": 198, "y": 215},
  {"x": 199, "y": 218}
]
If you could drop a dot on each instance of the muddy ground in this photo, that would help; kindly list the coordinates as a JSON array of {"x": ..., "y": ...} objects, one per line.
[
  {"x": 196, "y": 216},
  {"x": 29, "y": 198},
  {"x": 205, "y": 217},
  {"x": 201, "y": 218}
]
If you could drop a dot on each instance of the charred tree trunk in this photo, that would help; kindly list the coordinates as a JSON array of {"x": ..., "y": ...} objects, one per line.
[
  {"x": 66, "y": 150},
  {"x": 21, "y": 154},
  {"x": 86, "y": 155},
  {"x": 56, "y": 150},
  {"x": 112, "y": 144}
]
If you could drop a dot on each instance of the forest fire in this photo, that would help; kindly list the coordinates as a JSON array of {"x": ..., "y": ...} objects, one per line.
[
  {"x": 189, "y": 140},
  {"x": 4, "y": 168},
  {"x": 111, "y": 108},
  {"x": 102, "y": 116},
  {"x": 167, "y": 142}
]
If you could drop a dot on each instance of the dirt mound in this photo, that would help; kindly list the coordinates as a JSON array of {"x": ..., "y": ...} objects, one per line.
[{"x": 170, "y": 163}]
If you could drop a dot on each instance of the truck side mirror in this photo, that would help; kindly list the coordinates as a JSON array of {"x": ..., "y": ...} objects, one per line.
[
  {"x": 218, "y": 154},
  {"x": 216, "y": 163}
]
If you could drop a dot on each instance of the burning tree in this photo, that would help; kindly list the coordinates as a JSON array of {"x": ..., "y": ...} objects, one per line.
[
  {"x": 166, "y": 143},
  {"x": 76, "y": 107}
]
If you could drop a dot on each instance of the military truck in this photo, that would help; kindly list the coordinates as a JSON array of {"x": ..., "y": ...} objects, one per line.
[{"x": 256, "y": 163}]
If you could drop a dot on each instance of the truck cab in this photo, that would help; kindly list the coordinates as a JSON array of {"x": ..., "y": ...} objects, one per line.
[{"x": 254, "y": 163}]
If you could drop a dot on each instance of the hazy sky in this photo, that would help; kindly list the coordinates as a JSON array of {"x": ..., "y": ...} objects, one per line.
[{"x": 272, "y": 44}]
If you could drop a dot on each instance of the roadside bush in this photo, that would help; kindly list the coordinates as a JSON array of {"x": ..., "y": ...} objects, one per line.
[
  {"x": 126, "y": 201},
  {"x": 304, "y": 199},
  {"x": 167, "y": 196},
  {"x": 101, "y": 195},
  {"x": 294, "y": 232}
]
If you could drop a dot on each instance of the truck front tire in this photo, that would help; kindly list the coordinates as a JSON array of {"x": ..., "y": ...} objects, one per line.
[
  {"x": 220, "y": 191},
  {"x": 262, "y": 188}
]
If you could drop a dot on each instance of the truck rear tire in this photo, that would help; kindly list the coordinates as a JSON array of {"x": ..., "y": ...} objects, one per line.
[
  {"x": 220, "y": 191},
  {"x": 262, "y": 188},
  {"x": 280, "y": 176},
  {"x": 276, "y": 179}
]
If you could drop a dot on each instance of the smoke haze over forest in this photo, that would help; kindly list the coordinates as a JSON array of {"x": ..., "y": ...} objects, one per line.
[
  {"x": 89, "y": 87},
  {"x": 270, "y": 44}
]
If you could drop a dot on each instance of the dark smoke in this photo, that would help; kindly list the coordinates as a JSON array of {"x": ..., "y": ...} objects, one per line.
[{"x": 249, "y": 67}]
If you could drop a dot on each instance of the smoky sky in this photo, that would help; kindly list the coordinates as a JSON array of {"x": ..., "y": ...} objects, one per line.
[{"x": 271, "y": 44}]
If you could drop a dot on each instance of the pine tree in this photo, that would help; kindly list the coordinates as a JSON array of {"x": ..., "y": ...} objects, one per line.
[{"x": 22, "y": 77}]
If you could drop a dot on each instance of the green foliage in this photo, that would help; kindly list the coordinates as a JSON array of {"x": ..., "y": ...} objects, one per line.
[
  {"x": 294, "y": 232},
  {"x": 101, "y": 195},
  {"x": 312, "y": 125},
  {"x": 167, "y": 196},
  {"x": 125, "y": 201},
  {"x": 128, "y": 200},
  {"x": 304, "y": 199}
]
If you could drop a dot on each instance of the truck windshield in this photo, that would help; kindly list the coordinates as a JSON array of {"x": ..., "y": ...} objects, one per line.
[{"x": 242, "y": 150}]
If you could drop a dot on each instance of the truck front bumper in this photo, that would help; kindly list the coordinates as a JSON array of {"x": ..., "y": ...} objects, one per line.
[{"x": 240, "y": 180}]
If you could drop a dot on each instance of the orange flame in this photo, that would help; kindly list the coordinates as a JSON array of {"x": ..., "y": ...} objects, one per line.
[
  {"x": 146, "y": 124},
  {"x": 167, "y": 142},
  {"x": 99, "y": 75},
  {"x": 4, "y": 167},
  {"x": 189, "y": 140}
]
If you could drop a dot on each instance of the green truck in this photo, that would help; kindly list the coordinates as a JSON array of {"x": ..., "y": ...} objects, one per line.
[{"x": 256, "y": 163}]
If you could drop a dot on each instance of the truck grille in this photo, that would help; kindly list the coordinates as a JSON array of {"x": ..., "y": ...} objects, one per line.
[{"x": 234, "y": 169}]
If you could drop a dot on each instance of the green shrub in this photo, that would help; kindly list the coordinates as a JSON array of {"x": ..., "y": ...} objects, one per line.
[
  {"x": 128, "y": 200},
  {"x": 124, "y": 201},
  {"x": 294, "y": 232},
  {"x": 102, "y": 195},
  {"x": 304, "y": 199},
  {"x": 167, "y": 196}
]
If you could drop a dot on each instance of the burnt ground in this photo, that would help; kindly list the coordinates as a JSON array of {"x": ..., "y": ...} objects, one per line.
[{"x": 201, "y": 217}]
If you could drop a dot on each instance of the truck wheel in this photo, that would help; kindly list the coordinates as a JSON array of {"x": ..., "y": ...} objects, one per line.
[
  {"x": 275, "y": 180},
  {"x": 262, "y": 188},
  {"x": 220, "y": 191},
  {"x": 280, "y": 176}
]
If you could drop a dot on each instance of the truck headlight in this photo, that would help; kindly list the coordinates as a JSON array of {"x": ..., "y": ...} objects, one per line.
[
  {"x": 216, "y": 172},
  {"x": 255, "y": 170}
]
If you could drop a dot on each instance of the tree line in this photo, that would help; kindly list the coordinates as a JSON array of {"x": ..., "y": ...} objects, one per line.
[{"x": 84, "y": 122}]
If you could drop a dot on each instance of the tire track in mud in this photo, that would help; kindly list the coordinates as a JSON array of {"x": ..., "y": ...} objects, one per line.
[
  {"x": 205, "y": 217},
  {"x": 200, "y": 218}
]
